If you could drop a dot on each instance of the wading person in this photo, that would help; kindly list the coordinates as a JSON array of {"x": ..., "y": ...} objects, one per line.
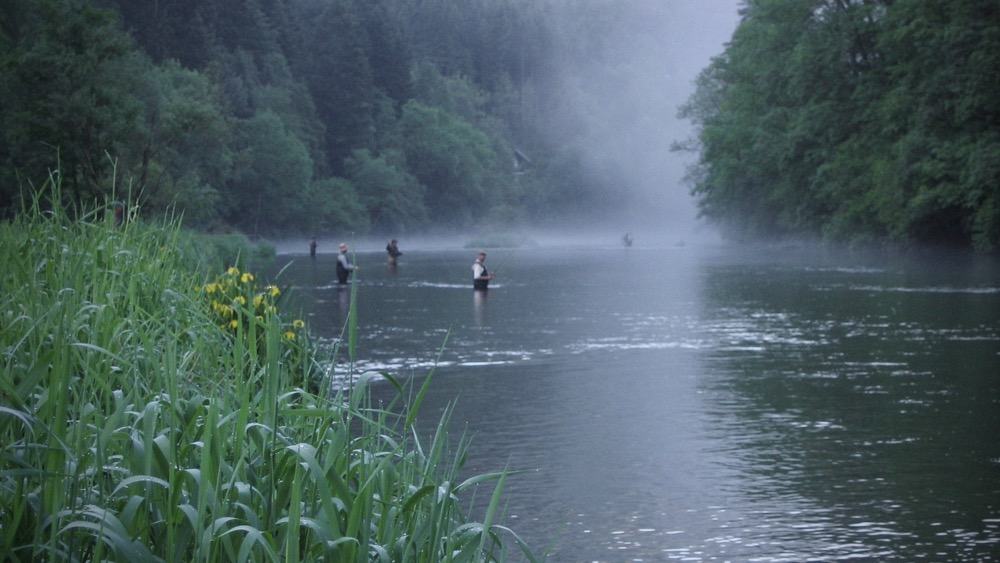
[
  {"x": 392, "y": 249},
  {"x": 119, "y": 209},
  {"x": 344, "y": 267},
  {"x": 312, "y": 247},
  {"x": 480, "y": 275}
]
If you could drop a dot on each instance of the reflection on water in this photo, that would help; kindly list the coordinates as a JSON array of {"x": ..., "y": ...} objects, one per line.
[
  {"x": 479, "y": 307},
  {"x": 705, "y": 405},
  {"x": 873, "y": 400}
]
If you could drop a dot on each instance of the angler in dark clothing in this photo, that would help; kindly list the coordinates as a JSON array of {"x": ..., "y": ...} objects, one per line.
[
  {"x": 393, "y": 251},
  {"x": 480, "y": 275},
  {"x": 344, "y": 267}
]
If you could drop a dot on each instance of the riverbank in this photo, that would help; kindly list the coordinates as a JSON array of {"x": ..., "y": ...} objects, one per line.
[{"x": 152, "y": 412}]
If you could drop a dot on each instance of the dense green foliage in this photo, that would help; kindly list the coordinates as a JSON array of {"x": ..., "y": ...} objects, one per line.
[
  {"x": 855, "y": 120},
  {"x": 297, "y": 116},
  {"x": 146, "y": 415}
]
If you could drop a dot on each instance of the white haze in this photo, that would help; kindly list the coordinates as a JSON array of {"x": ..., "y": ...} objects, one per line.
[
  {"x": 629, "y": 65},
  {"x": 623, "y": 79}
]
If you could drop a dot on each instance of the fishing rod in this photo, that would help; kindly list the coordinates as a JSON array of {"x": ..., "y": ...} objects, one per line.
[{"x": 508, "y": 254}]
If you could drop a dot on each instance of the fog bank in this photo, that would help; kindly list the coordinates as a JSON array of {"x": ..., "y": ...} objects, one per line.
[{"x": 627, "y": 65}]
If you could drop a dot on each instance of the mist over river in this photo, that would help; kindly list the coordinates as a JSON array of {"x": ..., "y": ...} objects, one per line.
[{"x": 700, "y": 402}]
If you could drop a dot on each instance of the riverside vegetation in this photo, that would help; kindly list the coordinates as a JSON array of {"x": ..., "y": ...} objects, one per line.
[
  {"x": 856, "y": 121},
  {"x": 150, "y": 411}
]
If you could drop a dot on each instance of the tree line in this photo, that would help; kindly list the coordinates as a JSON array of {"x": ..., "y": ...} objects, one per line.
[
  {"x": 272, "y": 116},
  {"x": 854, "y": 120}
]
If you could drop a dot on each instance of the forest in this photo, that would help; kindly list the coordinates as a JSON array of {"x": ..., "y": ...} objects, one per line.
[
  {"x": 292, "y": 116},
  {"x": 854, "y": 121},
  {"x": 845, "y": 120}
]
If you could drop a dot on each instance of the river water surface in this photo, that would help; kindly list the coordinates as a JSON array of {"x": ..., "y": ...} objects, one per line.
[{"x": 702, "y": 403}]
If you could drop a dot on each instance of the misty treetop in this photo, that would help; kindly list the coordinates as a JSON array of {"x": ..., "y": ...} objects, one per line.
[
  {"x": 849, "y": 119},
  {"x": 287, "y": 115},
  {"x": 854, "y": 120}
]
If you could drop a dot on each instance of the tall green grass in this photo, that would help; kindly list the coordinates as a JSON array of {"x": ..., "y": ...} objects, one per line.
[{"x": 135, "y": 426}]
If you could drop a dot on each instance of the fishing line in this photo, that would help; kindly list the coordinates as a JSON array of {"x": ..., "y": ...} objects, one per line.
[{"x": 508, "y": 254}]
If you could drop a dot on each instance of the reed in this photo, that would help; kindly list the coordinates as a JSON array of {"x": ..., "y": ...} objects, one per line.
[{"x": 138, "y": 423}]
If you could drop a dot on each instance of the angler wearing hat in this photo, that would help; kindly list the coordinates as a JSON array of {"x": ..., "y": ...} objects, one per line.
[
  {"x": 344, "y": 267},
  {"x": 480, "y": 275}
]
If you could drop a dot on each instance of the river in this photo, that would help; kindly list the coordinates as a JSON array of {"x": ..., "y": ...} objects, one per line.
[{"x": 701, "y": 402}]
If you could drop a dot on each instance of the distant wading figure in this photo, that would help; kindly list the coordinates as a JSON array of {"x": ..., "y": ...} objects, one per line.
[
  {"x": 627, "y": 239},
  {"x": 393, "y": 251},
  {"x": 480, "y": 276},
  {"x": 344, "y": 267},
  {"x": 312, "y": 247},
  {"x": 119, "y": 211}
]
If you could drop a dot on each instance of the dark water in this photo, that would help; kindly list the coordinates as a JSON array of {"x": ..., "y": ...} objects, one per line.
[{"x": 705, "y": 404}]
